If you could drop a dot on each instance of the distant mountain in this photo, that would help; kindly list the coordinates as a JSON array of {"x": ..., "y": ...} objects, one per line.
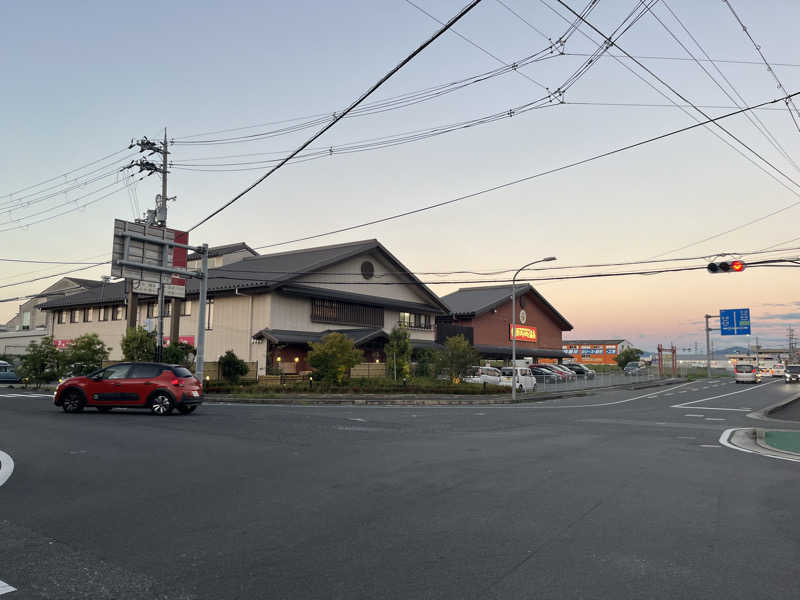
[{"x": 718, "y": 353}]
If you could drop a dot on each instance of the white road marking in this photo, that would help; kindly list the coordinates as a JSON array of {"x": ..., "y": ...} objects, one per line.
[
  {"x": 694, "y": 389},
  {"x": 705, "y": 387},
  {"x": 480, "y": 414},
  {"x": 683, "y": 391},
  {"x": 360, "y": 420},
  {"x": 693, "y": 415},
  {"x": 710, "y": 446},
  {"x": 6, "y": 467},
  {"x": 686, "y": 437},
  {"x": 669, "y": 394},
  {"x": 685, "y": 404},
  {"x": 714, "y": 419},
  {"x": 724, "y": 439},
  {"x": 5, "y": 588},
  {"x": 26, "y": 395}
]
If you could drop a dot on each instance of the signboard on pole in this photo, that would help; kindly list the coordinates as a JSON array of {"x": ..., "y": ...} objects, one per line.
[
  {"x": 734, "y": 321},
  {"x": 131, "y": 246}
]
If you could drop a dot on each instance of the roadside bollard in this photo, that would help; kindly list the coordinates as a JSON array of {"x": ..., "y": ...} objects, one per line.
[{"x": 310, "y": 382}]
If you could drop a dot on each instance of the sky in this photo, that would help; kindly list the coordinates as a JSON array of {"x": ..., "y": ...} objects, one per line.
[{"x": 84, "y": 78}]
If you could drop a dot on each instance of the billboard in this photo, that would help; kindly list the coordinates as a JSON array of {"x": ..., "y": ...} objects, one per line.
[
  {"x": 524, "y": 333},
  {"x": 127, "y": 246}
]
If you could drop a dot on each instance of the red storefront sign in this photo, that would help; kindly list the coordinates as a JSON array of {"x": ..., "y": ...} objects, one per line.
[
  {"x": 186, "y": 339},
  {"x": 524, "y": 333},
  {"x": 61, "y": 344}
]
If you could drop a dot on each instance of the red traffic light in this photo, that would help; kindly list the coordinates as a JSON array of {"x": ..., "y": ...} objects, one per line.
[{"x": 735, "y": 266}]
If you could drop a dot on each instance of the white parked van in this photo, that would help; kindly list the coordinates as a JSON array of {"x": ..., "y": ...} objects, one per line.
[
  {"x": 526, "y": 382},
  {"x": 488, "y": 375}
]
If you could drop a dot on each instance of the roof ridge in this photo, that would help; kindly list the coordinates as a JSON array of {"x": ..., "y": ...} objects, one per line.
[{"x": 373, "y": 241}]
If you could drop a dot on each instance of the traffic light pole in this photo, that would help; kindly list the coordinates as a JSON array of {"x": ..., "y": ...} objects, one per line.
[{"x": 708, "y": 344}]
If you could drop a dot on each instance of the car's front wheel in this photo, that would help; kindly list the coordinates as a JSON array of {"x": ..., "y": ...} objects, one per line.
[
  {"x": 72, "y": 402},
  {"x": 161, "y": 404}
]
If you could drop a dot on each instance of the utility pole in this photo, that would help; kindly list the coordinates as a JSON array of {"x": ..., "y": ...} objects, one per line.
[{"x": 156, "y": 218}]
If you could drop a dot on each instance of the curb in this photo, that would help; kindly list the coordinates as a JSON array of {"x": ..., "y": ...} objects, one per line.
[
  {"x": 764, "y": 413},
  {"x": 422, "y": 400},
  {"x": 750, "y": 440}
]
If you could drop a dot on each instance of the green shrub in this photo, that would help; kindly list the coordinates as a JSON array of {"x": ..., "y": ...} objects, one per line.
[{"x": 232, "y": 367}]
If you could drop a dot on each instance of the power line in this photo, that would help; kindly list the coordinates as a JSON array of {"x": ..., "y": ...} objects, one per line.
[
  {"x": 734, "y": 61},
  {"x": 358, "y": 101},
  {"x": 753, "y": 118},
  {"x": 789, "y": 101},
  {"x": 523, "y": 19},
  {"x": 524, "y": 179},
  {"x": 5, "y": 285},
  {"x": 44, "y": 262},
  {"x": 75, "y": 170},
  {"x": 481, "y": 48}
]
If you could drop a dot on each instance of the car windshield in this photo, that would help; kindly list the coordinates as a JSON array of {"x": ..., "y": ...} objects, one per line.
[
  {"x": 744, "y": 368},
  {"x": 793, "y": 369},
  {"x": 507, "y": 371}
]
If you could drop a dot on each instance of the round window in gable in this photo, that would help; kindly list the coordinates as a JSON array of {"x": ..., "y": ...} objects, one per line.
[{"x": 367, "y": 269}]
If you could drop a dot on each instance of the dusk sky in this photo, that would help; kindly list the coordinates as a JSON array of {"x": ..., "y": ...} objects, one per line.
[{"x": 84, "y": 78}]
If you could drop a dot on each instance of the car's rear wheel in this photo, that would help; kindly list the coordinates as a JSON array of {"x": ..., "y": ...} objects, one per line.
[
  {"x": 72, "y": 402},
  {"x": 103, "y": 409},
  {"x": 161, "y": 404},
  {"x": 186, "y": 409}
]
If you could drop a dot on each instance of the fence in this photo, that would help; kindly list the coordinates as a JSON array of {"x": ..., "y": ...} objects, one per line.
[
  {"x": 368, "y": 370},
  {"x": 214, "y": 373}
]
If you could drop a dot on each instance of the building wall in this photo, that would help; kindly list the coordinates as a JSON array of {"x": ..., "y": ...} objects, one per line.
[
  {"x": 110, "y": 332},
  {"x": 492, "y": 328},
  {"x": 355, "y": 282},
  {"x": 596, "y": 353},
  {"x": 39, "y": 318},
  {"x": 16, "y": 342}
]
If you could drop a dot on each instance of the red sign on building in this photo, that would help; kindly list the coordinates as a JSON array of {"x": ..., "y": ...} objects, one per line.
[{"x": 524, "y": 333}]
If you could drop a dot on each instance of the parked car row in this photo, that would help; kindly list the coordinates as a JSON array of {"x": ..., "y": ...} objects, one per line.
[
  {"x": 7, "y": 373},
  {"x": 530, "y": 375}
]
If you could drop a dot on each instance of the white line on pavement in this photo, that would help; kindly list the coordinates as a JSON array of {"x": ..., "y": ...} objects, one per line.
[
  {"x": 714, "y": 419},
  {"x": 693, "y": 415},
  {"x": 6, "y": 467},
  {"x": 5, "y": 588},
  {"x": 685, "y": 404},
  {"x": 710, "y": 446}
]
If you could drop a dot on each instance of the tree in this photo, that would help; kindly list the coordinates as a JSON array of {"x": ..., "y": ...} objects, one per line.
[
  {"x": 628, "y": 355},
  {"x": 138, "y": 344},
  {"x": 333, "y": 357},
  {"x": 398, "y": 353},
  {"x": 426, "y": 360},
  {"x": 85, "y": 354},
  {"x": 180, "y": 354},
  {"x": 456, "y": 357},
  {"x": 232, "y": 367},
  {"x": 42, "y": 363}
]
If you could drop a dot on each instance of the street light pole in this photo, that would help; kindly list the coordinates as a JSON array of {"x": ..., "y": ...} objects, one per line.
[{"x": 514, "y": 323}]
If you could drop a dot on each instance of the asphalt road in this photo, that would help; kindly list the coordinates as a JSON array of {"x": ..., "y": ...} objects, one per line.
[{"x": 623, "y": 494}]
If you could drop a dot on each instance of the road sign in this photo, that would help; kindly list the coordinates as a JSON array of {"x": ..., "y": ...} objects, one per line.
[
  {"x": 150, "y": 288},
  {"x": 131, "y": 245},
  {"x": 734, "y": 321}
]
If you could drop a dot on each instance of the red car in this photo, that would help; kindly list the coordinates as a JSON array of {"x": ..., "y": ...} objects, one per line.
[{"x": 156, "y": 386}]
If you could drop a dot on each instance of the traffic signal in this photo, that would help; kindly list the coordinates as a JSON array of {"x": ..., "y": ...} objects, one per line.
[{"x": 734, "y": 266}]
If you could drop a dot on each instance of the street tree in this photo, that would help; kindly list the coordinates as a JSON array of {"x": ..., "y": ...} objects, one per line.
[
  {"x": 628, "y": 355},
  {"x": 398, "y": 353},
  {"x": 85, "y": 354},
  {"x": 333, "y": 357},
  {"x": 456, "y": 358},
  {"x": 138, "y": 344},
  {"x": 180, "y": 353},
  {"x": 42, "y": 363},
  {"x": 232, "y": 367}
]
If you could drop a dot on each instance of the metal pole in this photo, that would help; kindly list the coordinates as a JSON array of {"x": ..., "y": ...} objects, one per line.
[
  {"x": 708, "y": 348},
  {"x": 164, "y": 252},
  {"x": 201, "y": 316},
  {"x": 514, "y": 336},
  {"x": 514, "y": 323},
  {"x": 160, "y": 345}
]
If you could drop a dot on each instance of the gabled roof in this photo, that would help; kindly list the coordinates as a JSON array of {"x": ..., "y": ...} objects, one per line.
[
  {"x": 224, "y": 249},
  {"x": 475, "y": 301},
  {"x": 272, "y": 272},
  {"x": 87, "y": 283}
]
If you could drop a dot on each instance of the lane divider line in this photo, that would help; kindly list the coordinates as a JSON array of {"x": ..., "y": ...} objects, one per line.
[
  {"x": 724, "y": 439},
  {"x": 685, "y": 404},
  {"x": 6, "y": 467},
  {"x": 5, "y": 588}
]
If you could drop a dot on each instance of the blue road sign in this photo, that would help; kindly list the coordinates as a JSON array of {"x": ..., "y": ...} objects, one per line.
[{"x": 734, "y": 321}]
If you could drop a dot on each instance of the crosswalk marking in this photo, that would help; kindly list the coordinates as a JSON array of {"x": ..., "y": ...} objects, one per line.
[{"x": 5, "y": 588}]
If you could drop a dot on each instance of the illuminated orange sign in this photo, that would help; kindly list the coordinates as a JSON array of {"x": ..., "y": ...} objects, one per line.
[{"x": 524, "y": 333}]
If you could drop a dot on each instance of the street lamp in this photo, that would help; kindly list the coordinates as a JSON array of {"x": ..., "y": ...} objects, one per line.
[{"x": 514, "y": 323}]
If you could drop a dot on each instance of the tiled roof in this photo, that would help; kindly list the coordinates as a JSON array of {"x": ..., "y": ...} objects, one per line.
[
  {"x": 224, "y": 249},
  {"x": 478, "y": 300}
]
